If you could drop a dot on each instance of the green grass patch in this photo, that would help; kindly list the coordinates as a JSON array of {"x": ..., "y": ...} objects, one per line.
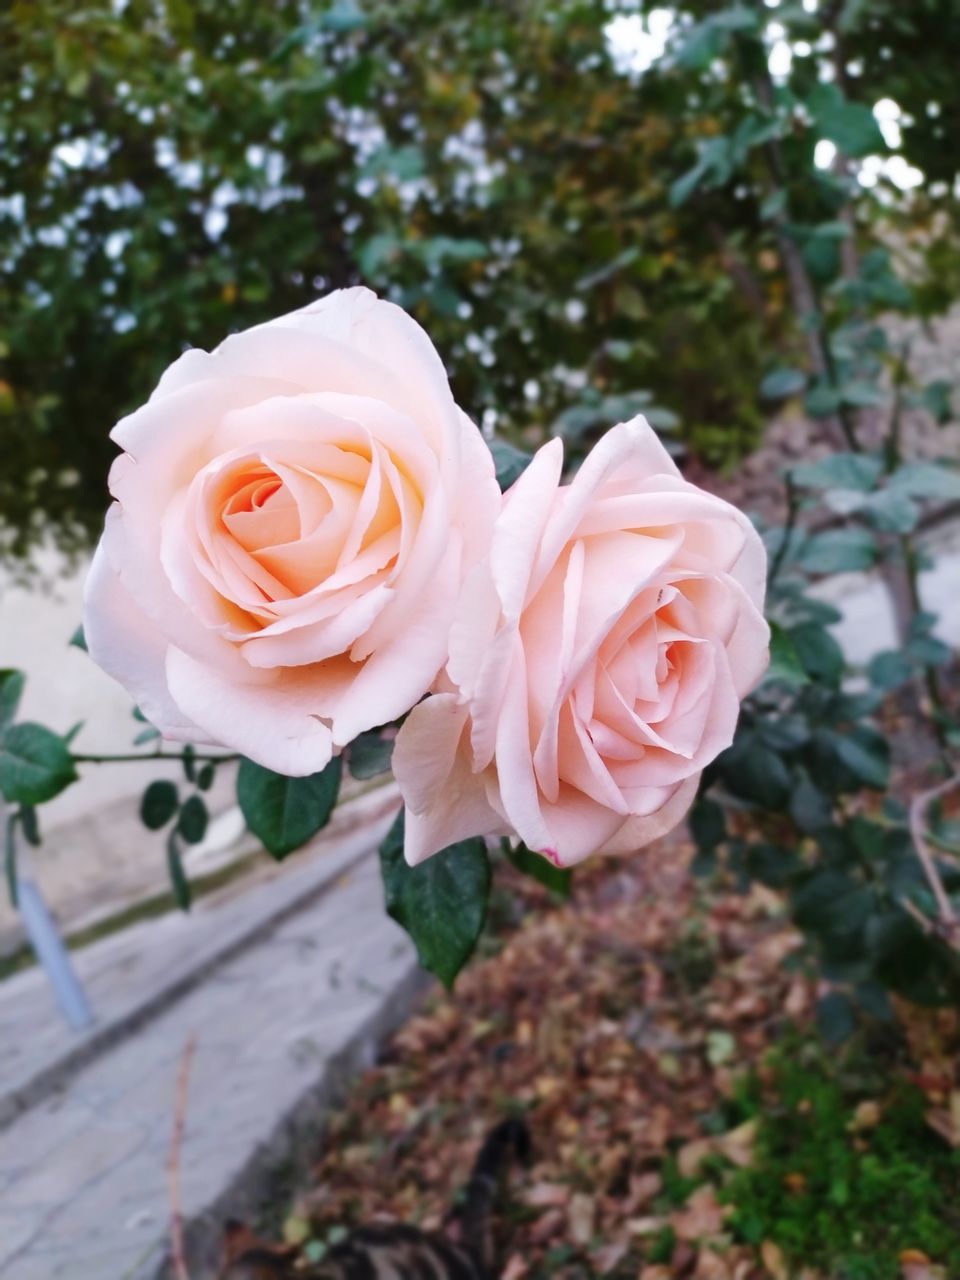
[{"x": 838, "y": 1193}]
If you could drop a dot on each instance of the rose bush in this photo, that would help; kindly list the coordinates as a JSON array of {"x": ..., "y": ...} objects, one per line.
[
  {"x": 294, "y": 515},
  {"x": 597, "y": 660}
]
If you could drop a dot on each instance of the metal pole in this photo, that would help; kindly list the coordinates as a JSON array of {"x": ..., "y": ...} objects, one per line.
[{"x": 41, "y": 929}]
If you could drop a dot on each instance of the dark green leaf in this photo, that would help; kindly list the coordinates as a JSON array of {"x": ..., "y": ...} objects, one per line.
[
  {"x": 158, "y": 804},
  {"x": 835, "y": 1017},
  {"x": 79, "y": 640},
  {"x": 927, "y": 480},
  {"x": 936, "y": 399},
  {"x": 818, "y": 652},
  {"x": 781, "y": 383},
  {"x": 182, "y": 893},
  {"x": 558, "y": 880},
  {"x": 756, "y": 773},
  {"x": 859, "y": 471},
  {"x": 509, "y": 461},
  {"x": 810, "y": 808},
  {"x": 29, "y": 824},
  {"x": 188, "y": 760},
  {"x": 851, "y": 125},
  {"x": 892, "y": 511},
  {"x": 10, "y": 858},
  {"x": 890, "y": 670},
  {"x": 773, "y": 865},
  {"x": 193, "y": 820},
  {"x": 839, "y": 551},
  {"x": 708, "y": 825},
  {"x": 821, "y": 401},
  {"x": 35, "y": 764},
  {"x": 285, "y": 812},
  {"x": 441, "y": 903},
  {"x": 11, "y": 690},
  {"x": 868, "y": 760},
  {"x": 369, "y": 755},
  {"x": 206, "y": 775},
  {"x": 785, "y": 665}
]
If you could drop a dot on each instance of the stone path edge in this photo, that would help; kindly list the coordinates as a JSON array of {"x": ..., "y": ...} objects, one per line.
[
  {"x": 296, "y": 1139},
  {"x": 224, "y": 946}
]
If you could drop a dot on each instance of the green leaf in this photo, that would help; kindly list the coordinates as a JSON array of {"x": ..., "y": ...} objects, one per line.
[
  {"x": 926, "y": 480},
  {"x": 861, "y": 395},
  {"x": 708, "y": 824},
  {"x": 810, "y": 809},
  {"x": 285, "y": 812},
  {"x": 891, "y": 511},
  {"x": 781, "y": 383},
  {"x": 11, "y": 690},
  {"x": 890, "y": 670},
  {"x": 785, "y": 665},
  {"x": 441, "y": 903},
  {"x": 369, "y": 755},
  {"x": 182, "y": 893},
  {"x": 509, "y": 461},
  {"x": 206, "y": 775},
  {"x": 193, "y": 820},
  {"x": 35, "y": 764},
  {"x": 822, "y": 400},
  {"x": 188, "y": 761},
  {"x": 818, "y": 652},
  {"x": 158, "y": 804},
  {"x": 10, "y": 858},
  {"x": 839, "y": 551},
  {"x": 835, "y": 1017},
  {"x": 867, "y": 760},
  {"x": 756, "y": 773},
  {"x": 558, "y": 880},
  {"x": 79, "y": 640},
  {"x": 859, "y": 471},
  {"x": 29, "y": 824},
  {"x": 851, "y": 125},
  {"x": 936, "y": 399}
]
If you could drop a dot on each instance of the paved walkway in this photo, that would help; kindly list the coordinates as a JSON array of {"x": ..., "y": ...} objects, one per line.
[{"x": 286, "y": 988}]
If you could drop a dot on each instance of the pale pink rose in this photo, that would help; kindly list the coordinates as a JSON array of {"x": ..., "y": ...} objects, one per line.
[
  {"x": 294, "y": 516},
  {"x": 597, "y": 660}
]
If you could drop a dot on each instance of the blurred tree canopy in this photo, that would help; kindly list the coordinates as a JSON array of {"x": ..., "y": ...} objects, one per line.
[{"x": 175, "y": 169}]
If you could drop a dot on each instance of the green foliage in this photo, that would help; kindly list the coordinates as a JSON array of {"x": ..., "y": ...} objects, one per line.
[
  {"x": 837, "y": 1196},
  {"x": 158, "y": 804},
  {"x": 286, "y": 812},
  {"x": 35, "y": 764},
  {"x": 559, "y": 880},
  {"x": 369, "y": 755},
  {"x": 441, "y": 903}
]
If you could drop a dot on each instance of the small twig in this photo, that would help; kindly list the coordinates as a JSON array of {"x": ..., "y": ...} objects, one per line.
[
  {"x": 173, "y": 1161},
  {"x": 793, "y": 508},
  {"x": 918, "y": 814}
]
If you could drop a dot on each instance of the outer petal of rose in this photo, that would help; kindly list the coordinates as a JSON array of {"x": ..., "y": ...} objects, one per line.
[
  {"x": 748, "y": 649},
  {"x": 750, "y": 569},
  {"x": 639, "y": 831},
  {"x": 270, "y": 721},
  {"x": 576, "y": 827},
  {"x": 519, "y": 793},
  {"x": 478, "y": 502},
  {"x": 349, "y": 341},
  {"x": 446, "y": 801},
  {"x": 126, "y": 644},
  {"x": 519, "y": 528},
  {"x": 397, "y": 675}
]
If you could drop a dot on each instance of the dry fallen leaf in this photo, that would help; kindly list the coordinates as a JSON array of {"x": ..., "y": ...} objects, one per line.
[
  {"x": 582, "y": 1218},
  {"x": 701, "y": 1217},
  {"x": 772, "y": 1258}
]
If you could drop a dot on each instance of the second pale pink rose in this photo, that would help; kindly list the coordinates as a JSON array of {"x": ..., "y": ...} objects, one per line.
[{"x": 598, "y": 657}]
